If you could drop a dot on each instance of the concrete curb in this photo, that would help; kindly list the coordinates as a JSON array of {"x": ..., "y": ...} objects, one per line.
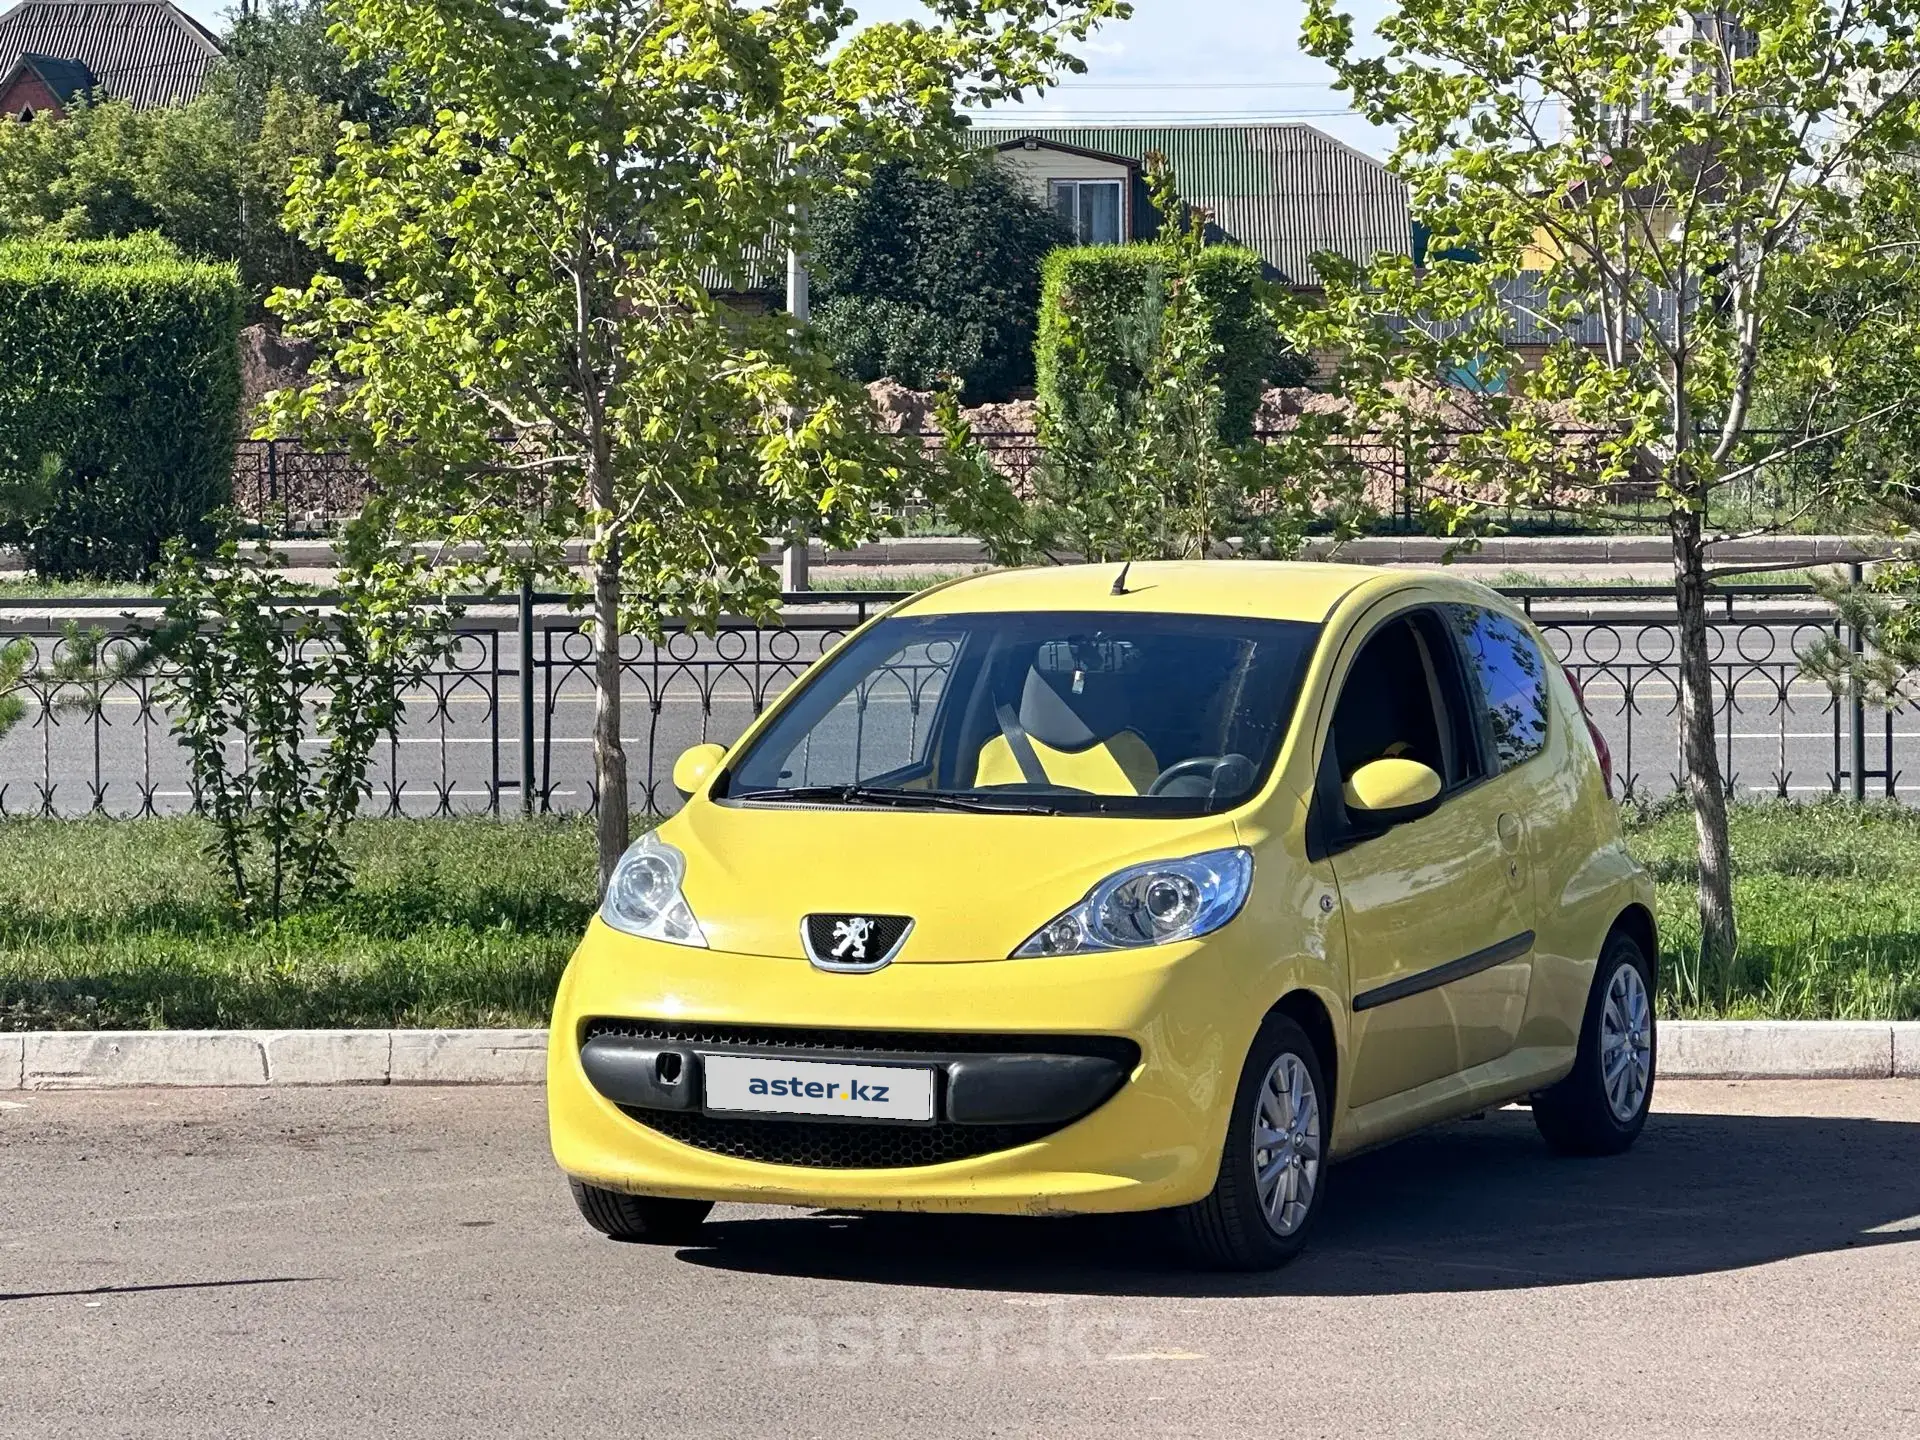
[
  {"x": 82, "y": 1060},
  {"x": 86, "y": 1060}
]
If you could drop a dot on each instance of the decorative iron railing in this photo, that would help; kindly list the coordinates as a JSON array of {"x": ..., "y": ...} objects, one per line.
[
  {"x": 505, "y": 722},
  {"x": 289, "y": 491}
]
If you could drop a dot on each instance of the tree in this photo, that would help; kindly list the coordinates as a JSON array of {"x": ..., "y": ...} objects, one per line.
[
  {"x": 297, "y": 695},
  {"x": 190, "y": 173},
  {"x": 535, "y": 255},
  {"x": 923, "y": 280},
  {"x": 1845, "y": 365},
  {"x": 286, "y": 45},
  {"x": 1649, "y": 184},
  {"x": 1141, "y": 457},
  {"x": 85, "y": 666}
]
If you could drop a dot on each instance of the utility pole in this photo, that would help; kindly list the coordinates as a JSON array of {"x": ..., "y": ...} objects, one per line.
[{"x": 793, "y": 558}]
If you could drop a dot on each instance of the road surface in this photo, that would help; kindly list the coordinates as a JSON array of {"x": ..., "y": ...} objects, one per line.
[
  {"x": 459, "y": 749},
  {"x": 405, "y": 1262}
]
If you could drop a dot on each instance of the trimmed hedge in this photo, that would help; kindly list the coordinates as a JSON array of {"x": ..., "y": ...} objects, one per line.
[
  {"x": 1104, "y": 302},
  {"x": 119, "y": 401},
  {"x": 918, "y": 280}
]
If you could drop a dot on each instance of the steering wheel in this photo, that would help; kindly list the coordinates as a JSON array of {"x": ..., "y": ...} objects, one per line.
[{"x": 1198, "y": 767}]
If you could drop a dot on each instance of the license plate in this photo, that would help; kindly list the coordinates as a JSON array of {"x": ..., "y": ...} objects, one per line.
[{"x": 818, "y": 1087}]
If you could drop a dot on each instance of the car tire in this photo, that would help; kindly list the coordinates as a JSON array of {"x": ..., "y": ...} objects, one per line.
[
  {"x": 1602, "y": 1104},
  {"x": 653, "y": 1219},
  {"x": 1256, "y": 1217}
]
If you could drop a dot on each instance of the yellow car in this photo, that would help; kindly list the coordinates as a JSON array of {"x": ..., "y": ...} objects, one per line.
[{"x": 1099, "y": 889}]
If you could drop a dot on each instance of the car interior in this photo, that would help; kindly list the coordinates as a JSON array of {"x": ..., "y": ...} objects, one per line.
[{"x": 1404, "y": 697}]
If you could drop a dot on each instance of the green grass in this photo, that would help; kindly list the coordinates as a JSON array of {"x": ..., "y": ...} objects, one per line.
[
  {"x": 1827, "y": 907},
  {"x": 855, "y": 583},
  {"x": 120, "y": 924},
  {"x": 31, "y": 589},
  {"x": 1752, "y": 577}
]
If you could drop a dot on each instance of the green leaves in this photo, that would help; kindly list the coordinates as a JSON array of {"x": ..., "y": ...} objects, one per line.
[
  {"x": 1151, "y": 363},
  {"x": 250, "y": 673},
  {"x": 209, "y": 178},
  {"x": 15, "y": 657},
  {"x": 1628, "y": 215},
  {"x": 538, "y": 350},
  {"x": 119, "y": 397},
  {"x": 540, "y": 251},
  {"x": 917, "y": 279}
]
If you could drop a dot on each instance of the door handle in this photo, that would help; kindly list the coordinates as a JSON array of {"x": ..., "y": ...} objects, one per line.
[{"x": 1509, "y": 829}]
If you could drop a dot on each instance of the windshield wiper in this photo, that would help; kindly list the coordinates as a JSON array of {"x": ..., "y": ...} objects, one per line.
[{"x": 895, "y": 799}]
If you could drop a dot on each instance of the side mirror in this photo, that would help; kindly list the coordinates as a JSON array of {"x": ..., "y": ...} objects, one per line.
[
  {"x": 1392, "y": 791},
  {"x": 696, "y": 766}
]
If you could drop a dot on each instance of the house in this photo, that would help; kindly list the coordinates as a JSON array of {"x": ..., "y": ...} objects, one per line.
[
  {"x": 147, "y": 52},
  {"x": 1284, "y": 191},
  {"x": 42, "y": 85}
]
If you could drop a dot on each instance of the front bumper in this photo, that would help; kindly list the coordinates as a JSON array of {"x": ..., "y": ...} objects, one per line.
[{"x": 1170, "y": 1018}]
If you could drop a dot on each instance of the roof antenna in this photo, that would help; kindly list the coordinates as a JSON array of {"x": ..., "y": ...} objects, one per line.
[{"x": 1120, "y": 580}]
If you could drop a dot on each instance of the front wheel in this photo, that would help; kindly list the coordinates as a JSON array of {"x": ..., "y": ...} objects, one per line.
[
  {"x": 1601, "y": 1106},
  {"x": 1273, "y": 1169},
  {"x": 650, "y": 1218}
]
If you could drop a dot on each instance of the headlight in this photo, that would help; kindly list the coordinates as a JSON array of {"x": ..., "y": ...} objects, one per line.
[
  {"x": 1152, "y": 904},
  {"x": 644, "y": 898}
]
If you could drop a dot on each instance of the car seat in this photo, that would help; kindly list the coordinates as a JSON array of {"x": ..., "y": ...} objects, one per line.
[{"x": 1072, "y": 724}]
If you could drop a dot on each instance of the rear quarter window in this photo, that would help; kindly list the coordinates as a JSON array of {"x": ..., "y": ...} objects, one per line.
[{"x": 1511, "y": 676}]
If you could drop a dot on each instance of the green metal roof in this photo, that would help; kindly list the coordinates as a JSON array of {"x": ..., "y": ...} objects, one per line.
[{"x": 1283, "y": 190}]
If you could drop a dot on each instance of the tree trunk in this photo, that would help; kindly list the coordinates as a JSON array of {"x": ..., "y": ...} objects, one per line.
[
  {"x": 609, "y": 754},
  {"x": 1705, "y": 789}
]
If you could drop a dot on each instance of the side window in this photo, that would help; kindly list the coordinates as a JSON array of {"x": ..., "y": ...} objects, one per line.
[
  {"x": 1405, "y": 696},
  {"x": 1386, "y": 706},
  {"x": 1511, "y": 675}
]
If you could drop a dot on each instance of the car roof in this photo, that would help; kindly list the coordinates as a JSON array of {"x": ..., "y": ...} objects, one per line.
[{"x": 1261, "y": 589}]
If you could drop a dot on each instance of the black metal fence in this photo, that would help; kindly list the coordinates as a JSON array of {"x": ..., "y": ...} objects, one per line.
[
  {"x": 505, "y": 723},
  {"x": 502, "y": 723},
  {"x": 290, "y": 491}
]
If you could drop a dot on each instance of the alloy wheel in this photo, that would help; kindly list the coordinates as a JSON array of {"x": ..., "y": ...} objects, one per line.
[
  {"x": 1286, "y": 1144},
  {"x": 1626, "y": 1043}
]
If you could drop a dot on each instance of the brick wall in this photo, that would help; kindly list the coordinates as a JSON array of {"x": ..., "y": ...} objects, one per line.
[{"x": 28, "y": 92}]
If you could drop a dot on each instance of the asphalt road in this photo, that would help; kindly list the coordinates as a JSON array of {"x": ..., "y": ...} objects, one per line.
[
  {"x": 459, "y": 746},
  {"x": 406, "y": 1262}
]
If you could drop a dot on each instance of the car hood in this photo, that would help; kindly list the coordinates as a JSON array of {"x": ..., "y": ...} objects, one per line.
[{"x": 975, "y": 886}]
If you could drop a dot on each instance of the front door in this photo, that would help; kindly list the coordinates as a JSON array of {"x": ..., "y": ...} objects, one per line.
[{"x": 1437, "y": 910}]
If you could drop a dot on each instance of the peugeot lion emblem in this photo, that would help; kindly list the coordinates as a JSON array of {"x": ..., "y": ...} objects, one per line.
[
  {"x": 850, "y": 938},
  {"x": 853, "y": 943}
]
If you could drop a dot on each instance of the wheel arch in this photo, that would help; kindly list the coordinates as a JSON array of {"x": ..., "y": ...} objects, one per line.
[
  {"x": 1307, "y": 1010},
  {"x": 1637, "y": 921}
]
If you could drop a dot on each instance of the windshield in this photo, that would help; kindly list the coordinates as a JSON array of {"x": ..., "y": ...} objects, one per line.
[{"x": 1051, "y": 712}]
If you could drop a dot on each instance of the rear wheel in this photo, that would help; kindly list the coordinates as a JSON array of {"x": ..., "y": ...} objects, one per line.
[
  {"x": 650, "y": 1218},
  {"x": 1601, "y": 1106},
  {"x": 1273, "y": 1169}
]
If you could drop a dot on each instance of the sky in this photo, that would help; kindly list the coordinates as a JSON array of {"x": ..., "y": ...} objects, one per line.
[{"x": 1174, "y": 60}]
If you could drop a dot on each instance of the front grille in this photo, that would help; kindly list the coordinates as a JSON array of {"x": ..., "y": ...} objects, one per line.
[
  {"x": 910, "y": 1045},
  {"x": 835, "y": 1144},
  {"x": 849, "y": 1144}
]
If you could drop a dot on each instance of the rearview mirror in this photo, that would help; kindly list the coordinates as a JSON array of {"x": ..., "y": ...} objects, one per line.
[
  {"x": 696, "y": 766},
  {"x": 1392, "y": 791}
]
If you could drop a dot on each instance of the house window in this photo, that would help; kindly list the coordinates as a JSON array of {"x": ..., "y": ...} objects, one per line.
[{"x": 1091, "y": 209}]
